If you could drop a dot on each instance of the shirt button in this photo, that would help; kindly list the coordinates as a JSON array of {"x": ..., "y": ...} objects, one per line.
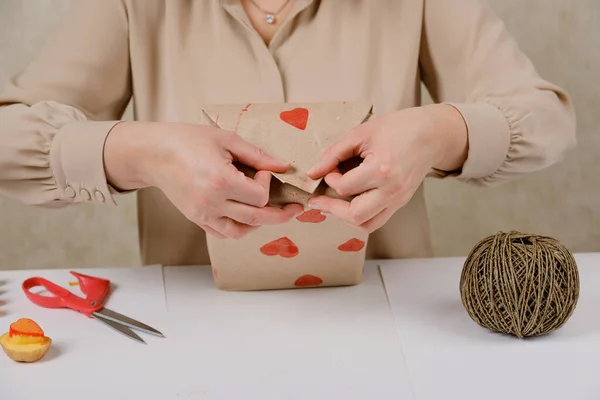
[
  {"x": 85, "y": 194},
  {"x": 99, "y": 196},
  {"x": 69, "y": 192}
]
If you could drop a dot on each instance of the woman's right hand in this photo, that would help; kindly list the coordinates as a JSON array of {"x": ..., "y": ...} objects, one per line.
[{"x": 193, "y": 166}]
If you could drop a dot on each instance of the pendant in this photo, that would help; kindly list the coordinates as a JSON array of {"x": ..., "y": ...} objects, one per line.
[{"x": 270, "y": 18}]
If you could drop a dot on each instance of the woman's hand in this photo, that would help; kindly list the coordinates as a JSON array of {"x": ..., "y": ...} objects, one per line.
[
  {"x": 398, "y": 150},
  {"x": 193, "y": 166}
]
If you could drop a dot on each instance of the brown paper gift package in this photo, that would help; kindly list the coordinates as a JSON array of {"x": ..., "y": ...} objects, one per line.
[{"x": 312, "y": 249}]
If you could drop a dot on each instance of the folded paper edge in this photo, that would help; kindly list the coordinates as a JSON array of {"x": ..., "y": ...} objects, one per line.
[
  {"x": 213, "y": 121},
  {"x": 204, "y": 110},
  {"x": 210, "y": 119}
]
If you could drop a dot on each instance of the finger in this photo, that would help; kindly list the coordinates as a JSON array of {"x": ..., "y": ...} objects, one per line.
[
  {"x": 264, "y": 179},
  {"x": 368, "y": 205},
  {"x": 293, "y": 208},
  {"x": 253, "y": 156},
  {"x": 356, "y": 212},
  {"x": 243, "y": 189},
  {"x": 336, "y": 207},
  {"x": 258, "y": 216},
  {"x": 213, "y": 232},
  {"x": 230, "y": 228},
  {"x": 351, "y": 145},
  {"x": 379, "y": 220},
  {"x": 335, "y": 171},
  {"x": 357, "y": 180}
]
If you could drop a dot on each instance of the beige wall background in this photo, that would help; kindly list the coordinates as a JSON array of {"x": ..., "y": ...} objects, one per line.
[{"x": 561, "y": 36}]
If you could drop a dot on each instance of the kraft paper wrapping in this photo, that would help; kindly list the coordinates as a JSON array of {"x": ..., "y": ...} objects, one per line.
[{"x": 311, "y": 250}]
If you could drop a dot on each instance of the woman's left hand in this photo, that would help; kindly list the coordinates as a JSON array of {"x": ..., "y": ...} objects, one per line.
[{"x": 398, "y": 151}]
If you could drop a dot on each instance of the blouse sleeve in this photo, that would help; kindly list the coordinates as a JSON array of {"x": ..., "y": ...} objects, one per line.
[
  {"x": 55, "y": 114},
  {"x": 517, "y": 122}
]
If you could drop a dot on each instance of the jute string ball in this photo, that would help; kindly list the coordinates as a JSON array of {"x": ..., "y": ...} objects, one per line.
[{"x": 520, "y": 284}]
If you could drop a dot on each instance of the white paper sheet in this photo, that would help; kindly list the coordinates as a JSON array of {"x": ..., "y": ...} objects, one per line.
[
  {"x": 450, "y": 357},
  {"x": 325, "y": 343},
  {"x": 88, "y": 360}
]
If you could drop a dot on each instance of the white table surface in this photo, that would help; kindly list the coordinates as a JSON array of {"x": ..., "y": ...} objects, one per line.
[
  {"x": 401, "y": 334},
  {"x": 88, "y": 360},
  {"x": 450, "y": 357}
]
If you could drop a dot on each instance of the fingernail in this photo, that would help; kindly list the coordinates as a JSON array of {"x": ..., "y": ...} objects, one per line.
[
  {"x": 312, "y": 170},
  {"x": 314, "y": 206}
]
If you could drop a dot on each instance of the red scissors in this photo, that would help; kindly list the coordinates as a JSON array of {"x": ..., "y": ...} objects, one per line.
[{"x": 96, "y": 290}]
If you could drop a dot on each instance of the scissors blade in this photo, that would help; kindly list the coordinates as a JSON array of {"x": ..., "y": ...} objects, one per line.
[
  {"x": 129, "y": 322},
  {"x": 120, "y": 328}
]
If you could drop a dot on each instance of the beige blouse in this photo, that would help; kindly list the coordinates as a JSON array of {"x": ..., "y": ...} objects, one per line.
[{"x": 171, "y": 57}]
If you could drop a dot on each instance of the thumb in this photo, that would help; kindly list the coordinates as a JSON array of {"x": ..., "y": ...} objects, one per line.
[
  {"x": 341, "y": 151},
  {"x": 264, "y": 179},
  {"x": 252, "y": 156}
]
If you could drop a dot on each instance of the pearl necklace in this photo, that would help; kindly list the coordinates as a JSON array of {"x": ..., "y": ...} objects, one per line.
[{"x": 270, "y": 16}]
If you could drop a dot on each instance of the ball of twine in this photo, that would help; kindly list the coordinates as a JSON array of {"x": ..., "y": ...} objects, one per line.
[{"x": 520, "y": 284}]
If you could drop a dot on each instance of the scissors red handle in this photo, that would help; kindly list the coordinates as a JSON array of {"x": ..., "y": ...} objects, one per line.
[{"x": 94, "y": 288}]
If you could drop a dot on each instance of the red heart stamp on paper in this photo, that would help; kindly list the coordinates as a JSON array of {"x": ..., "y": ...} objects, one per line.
[
  {"x": 311, "y": 216},
  {"x": 298, "y": 117},
  {"x": 352, "y": 245},
  {"x": 283, "y": 247},
  {"x": 308, "y": 280}
]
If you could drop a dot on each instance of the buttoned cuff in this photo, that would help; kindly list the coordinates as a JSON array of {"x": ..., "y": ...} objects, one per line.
[
  {"x": 77, "y": 162},
  {"x": 489, "y": 139}
]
